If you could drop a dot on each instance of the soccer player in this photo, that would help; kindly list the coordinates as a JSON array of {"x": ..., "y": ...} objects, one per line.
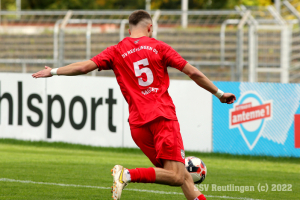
[{"x": 140, "y": 65}]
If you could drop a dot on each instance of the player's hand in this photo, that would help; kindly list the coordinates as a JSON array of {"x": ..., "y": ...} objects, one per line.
[
  {"x": 228, "y": 98},
  {"x": 43, "y": 73}
]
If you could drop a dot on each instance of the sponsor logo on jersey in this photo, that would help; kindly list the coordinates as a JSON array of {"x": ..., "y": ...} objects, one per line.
[
  {"x": 137, "y": 41},
  {"x": 249, "y": 115},
  {"x": 149, "y": 90}
]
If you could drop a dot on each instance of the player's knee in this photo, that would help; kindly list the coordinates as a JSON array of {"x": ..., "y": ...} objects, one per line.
[{"x": 178, "y": 180}]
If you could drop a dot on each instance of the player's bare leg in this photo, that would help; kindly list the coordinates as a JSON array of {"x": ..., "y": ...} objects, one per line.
[
  {"x": 175, "y": 174},
  {"x": 189, "y": 189},
  {"x": 172, "y": 174}
]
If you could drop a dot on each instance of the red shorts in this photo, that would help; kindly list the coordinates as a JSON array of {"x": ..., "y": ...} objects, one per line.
[{"x": 160, "y": 139}]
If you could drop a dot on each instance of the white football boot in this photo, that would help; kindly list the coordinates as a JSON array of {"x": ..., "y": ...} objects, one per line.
[{"x": 120, "y": 181}]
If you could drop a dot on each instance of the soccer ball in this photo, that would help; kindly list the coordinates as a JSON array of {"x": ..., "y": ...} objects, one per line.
[{"x": 197, "y": 169}]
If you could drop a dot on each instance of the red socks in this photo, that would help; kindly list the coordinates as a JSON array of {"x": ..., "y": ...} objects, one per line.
[
  {"x": 142, "y": 175},
  {"x": 147, "y": 175},
  {"x": 200, "y": 197}
]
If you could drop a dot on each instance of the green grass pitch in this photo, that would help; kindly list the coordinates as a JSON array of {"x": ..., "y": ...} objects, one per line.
[{"x": 41, "y": 170}]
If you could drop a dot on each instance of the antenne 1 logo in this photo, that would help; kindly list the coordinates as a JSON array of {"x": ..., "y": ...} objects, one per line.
[{"x": 249, "y": 115}]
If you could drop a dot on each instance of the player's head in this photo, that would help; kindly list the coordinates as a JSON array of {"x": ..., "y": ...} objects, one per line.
[{"x": 140, "y": 21}]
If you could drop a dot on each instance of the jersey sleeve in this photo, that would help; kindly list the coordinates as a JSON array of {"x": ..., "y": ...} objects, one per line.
[
  {"x": 171, "y": 57},
  {"x": 104, "y": 60}
]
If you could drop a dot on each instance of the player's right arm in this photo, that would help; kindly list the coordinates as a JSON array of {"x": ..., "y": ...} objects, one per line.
[
  {"x": 102, "y": 61},
  {"x": 200, "y": 79},
  {"x": 69, "y": 70}
]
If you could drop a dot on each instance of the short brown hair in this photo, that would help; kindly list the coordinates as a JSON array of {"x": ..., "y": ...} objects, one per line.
[{"x": 138, "y": 16}]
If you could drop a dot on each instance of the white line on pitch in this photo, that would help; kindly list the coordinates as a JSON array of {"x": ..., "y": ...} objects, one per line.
[{"x": 108, "y": 188}]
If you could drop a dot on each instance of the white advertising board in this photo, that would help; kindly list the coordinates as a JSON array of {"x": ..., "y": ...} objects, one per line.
[
  {"x": 92, "y": 111},
  {"x": 23, "y": 107},
  {"x": 194, "y": 112}
]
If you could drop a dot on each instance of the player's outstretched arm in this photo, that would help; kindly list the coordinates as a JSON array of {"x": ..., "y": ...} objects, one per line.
[
  {"x": 69, "y": 70},
  {"x": 205, "y": 83}
]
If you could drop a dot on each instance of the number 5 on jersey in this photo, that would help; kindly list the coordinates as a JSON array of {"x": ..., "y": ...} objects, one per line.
[{"x": 146, "y": 70}]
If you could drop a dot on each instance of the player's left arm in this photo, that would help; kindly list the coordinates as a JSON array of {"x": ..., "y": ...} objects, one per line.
[
  {"x": 173, "y": 59},
  {"x": 73, "y": 69},
  {"x": 200, "y": 79}
]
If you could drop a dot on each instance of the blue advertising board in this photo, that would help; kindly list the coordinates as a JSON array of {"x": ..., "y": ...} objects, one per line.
[{"x": 260, "y": 122}]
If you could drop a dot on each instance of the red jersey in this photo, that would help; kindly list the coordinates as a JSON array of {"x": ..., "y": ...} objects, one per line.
[{"x": 140, "y": 66}]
